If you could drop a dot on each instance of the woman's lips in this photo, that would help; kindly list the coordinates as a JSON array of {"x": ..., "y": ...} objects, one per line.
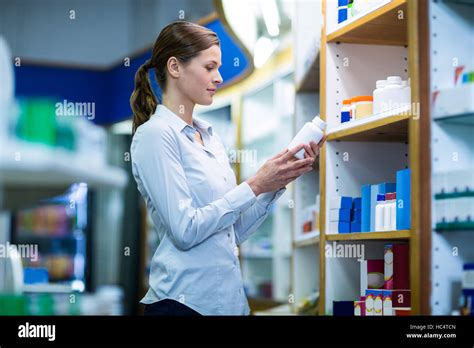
[{"x": 212, "y": 91}]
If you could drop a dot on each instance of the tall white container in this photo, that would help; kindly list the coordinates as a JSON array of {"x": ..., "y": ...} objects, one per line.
[{"x": 311, "y": 131}]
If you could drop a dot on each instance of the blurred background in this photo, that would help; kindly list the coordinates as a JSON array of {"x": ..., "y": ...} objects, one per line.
[{"x": 75, "y": 236}]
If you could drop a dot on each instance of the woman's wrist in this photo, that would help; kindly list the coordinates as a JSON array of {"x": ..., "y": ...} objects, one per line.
[{"x": 252, "y": 182}]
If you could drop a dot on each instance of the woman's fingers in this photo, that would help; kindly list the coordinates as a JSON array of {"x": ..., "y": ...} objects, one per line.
[
  {"x": 309, "y": 150},
  {"x": 291, "y": 153},
  {"x": 292, "y": 175},
  {"x": 301, "y": 163},
  {"x": 321, "y": 142},
  {"x": 278, "y": 155}
]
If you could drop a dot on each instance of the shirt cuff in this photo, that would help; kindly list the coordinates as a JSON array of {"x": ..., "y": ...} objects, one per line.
[
  {"x": 267, "y": 198},
  {"x": 241, "y": 197}
]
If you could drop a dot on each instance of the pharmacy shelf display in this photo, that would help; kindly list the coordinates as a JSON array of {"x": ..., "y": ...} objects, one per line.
[
  {"x": 305, "y": 273},
  {"x": 370, "y": 153},
  {"x": 452, "y": 157}
]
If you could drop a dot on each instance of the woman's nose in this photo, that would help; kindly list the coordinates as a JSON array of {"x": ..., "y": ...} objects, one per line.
[{"x": 218, "y": 79}]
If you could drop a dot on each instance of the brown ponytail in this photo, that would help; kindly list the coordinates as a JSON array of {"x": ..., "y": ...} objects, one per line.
[{"x": 182, "y": 40}]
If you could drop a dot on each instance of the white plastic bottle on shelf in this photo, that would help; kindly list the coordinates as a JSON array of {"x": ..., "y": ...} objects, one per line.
[
  {"x": 379, "y": 212},
  {"x": 387, "y": 212},
  {"x": 379, "y": 95},
  {"x": 392, "y": 205},
  {"x": 311, "y": 131},
  {"x": 393, "y": 92}
]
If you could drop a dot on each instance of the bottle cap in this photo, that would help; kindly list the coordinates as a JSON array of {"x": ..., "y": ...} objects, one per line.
[
  {"x": 394, "y": 80},
  {"x": 380, "y": 83},
  {"x": 380, "y": 197},
  {"x": 320, "y": 123},
  {"x": 363, "y": 98},
  {"x": 388, "y": 197}
]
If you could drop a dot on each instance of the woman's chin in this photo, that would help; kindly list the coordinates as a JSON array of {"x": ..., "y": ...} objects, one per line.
[{"x": 206, "y": 101}]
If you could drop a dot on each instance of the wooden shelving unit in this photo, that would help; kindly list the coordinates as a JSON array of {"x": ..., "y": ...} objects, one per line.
[
  {"x": 383, "y": 26},
  {"x": 386, "y": 235},
  {"x": 353, "y": 55},
  {"x": 391, "y": 128}
]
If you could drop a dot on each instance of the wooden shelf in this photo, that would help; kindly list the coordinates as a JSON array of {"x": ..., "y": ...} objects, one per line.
[
  {"x": 310, "y": 80},
  {"x": 389, "y": 128},
  {"x": 383, "y": 26},
  {"x": 311, "y": 238},
  {"x": 395, "y": 235}
]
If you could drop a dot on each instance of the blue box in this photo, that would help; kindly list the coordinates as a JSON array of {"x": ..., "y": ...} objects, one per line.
[
  {"x": 357, "y": 203},
  {"x": 340, "y": 215},
  {"x": 355, "y": 226},
  {"x": 342, "y": 3},
  {"x": 340, "y": 227},
  {"x": 340, "y": 202},
  {"x": 345, "y": 115},
  {"x": 35, "y": 275},
  {"x": 387, "y": 187},
  {"x": 343, "y": 308},
  {"x": 369, "y": 201},
  {"x": 356, "y": 215},
  {"x": 403, "y": 199}
]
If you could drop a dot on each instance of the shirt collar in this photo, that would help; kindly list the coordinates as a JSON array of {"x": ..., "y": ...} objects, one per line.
[{"x": 178, "y": 123}]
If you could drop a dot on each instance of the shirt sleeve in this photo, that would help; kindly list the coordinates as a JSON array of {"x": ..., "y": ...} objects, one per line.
[
  {"x": 156, "y": 161},
  {"x": 251, "y": 219}
]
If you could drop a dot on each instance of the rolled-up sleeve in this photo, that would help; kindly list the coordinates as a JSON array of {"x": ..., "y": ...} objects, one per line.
[
  {"x": 251, "y": 219},
  {"x": 156, "y": 162}
]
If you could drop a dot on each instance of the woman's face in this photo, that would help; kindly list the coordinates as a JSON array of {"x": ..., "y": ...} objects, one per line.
[{"x": 200, "y": 77}]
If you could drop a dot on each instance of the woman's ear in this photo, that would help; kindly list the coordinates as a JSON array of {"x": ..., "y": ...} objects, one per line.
[{"x": 173, "y": 67}]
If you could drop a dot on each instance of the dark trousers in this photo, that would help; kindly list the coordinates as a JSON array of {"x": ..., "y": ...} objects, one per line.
[{"x": 169, "y": 307}]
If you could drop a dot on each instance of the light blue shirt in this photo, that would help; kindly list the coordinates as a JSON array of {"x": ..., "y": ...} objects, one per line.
[{"x": 200, "y": 214}]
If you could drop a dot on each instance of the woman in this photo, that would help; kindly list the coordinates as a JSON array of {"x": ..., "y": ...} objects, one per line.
[{"x": 182, "y": 171}]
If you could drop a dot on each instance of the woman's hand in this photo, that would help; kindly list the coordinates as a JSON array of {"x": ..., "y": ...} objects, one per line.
[
  {"x": 280, "y": 170},
  {"x": 312, "y": 151}
]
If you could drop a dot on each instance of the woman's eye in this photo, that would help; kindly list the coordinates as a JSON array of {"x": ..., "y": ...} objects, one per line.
[{"x": 209, "y": 68}]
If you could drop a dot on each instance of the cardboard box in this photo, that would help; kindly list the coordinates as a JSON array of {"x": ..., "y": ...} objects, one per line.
[
  {"x": 387, "y": 303},
  {"x": 396, "y": 266},
  {"x": 401, "y": 299},
  {"x": 403, "y": 205},
  {"x": 339, "y": 227},
  {"x": 359, "y": 308},
  {"x": 340, "y": 202},
  {"x": 378, "y": 303},
  {"x": 336, "y": 215},
  {"x": 343, "y": 308},
  {"x": 373, "y": 302}
]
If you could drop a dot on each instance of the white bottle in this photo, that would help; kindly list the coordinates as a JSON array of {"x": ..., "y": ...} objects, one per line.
[
  {"x": 392, "y": 94},
  {"x": 311, "y": 131},
  {"x": 393, "y": 211},
  {"x": 386, "y": 212},
  {"x": 379, "y": 212},
  {"x": 378, "y": 95}
]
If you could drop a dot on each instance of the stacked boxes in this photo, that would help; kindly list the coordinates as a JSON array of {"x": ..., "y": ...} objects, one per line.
[
  {"x": 345, "y": 214},
  {"x": 385, "y": 284},
  {"x": 340, "y": 214}
]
